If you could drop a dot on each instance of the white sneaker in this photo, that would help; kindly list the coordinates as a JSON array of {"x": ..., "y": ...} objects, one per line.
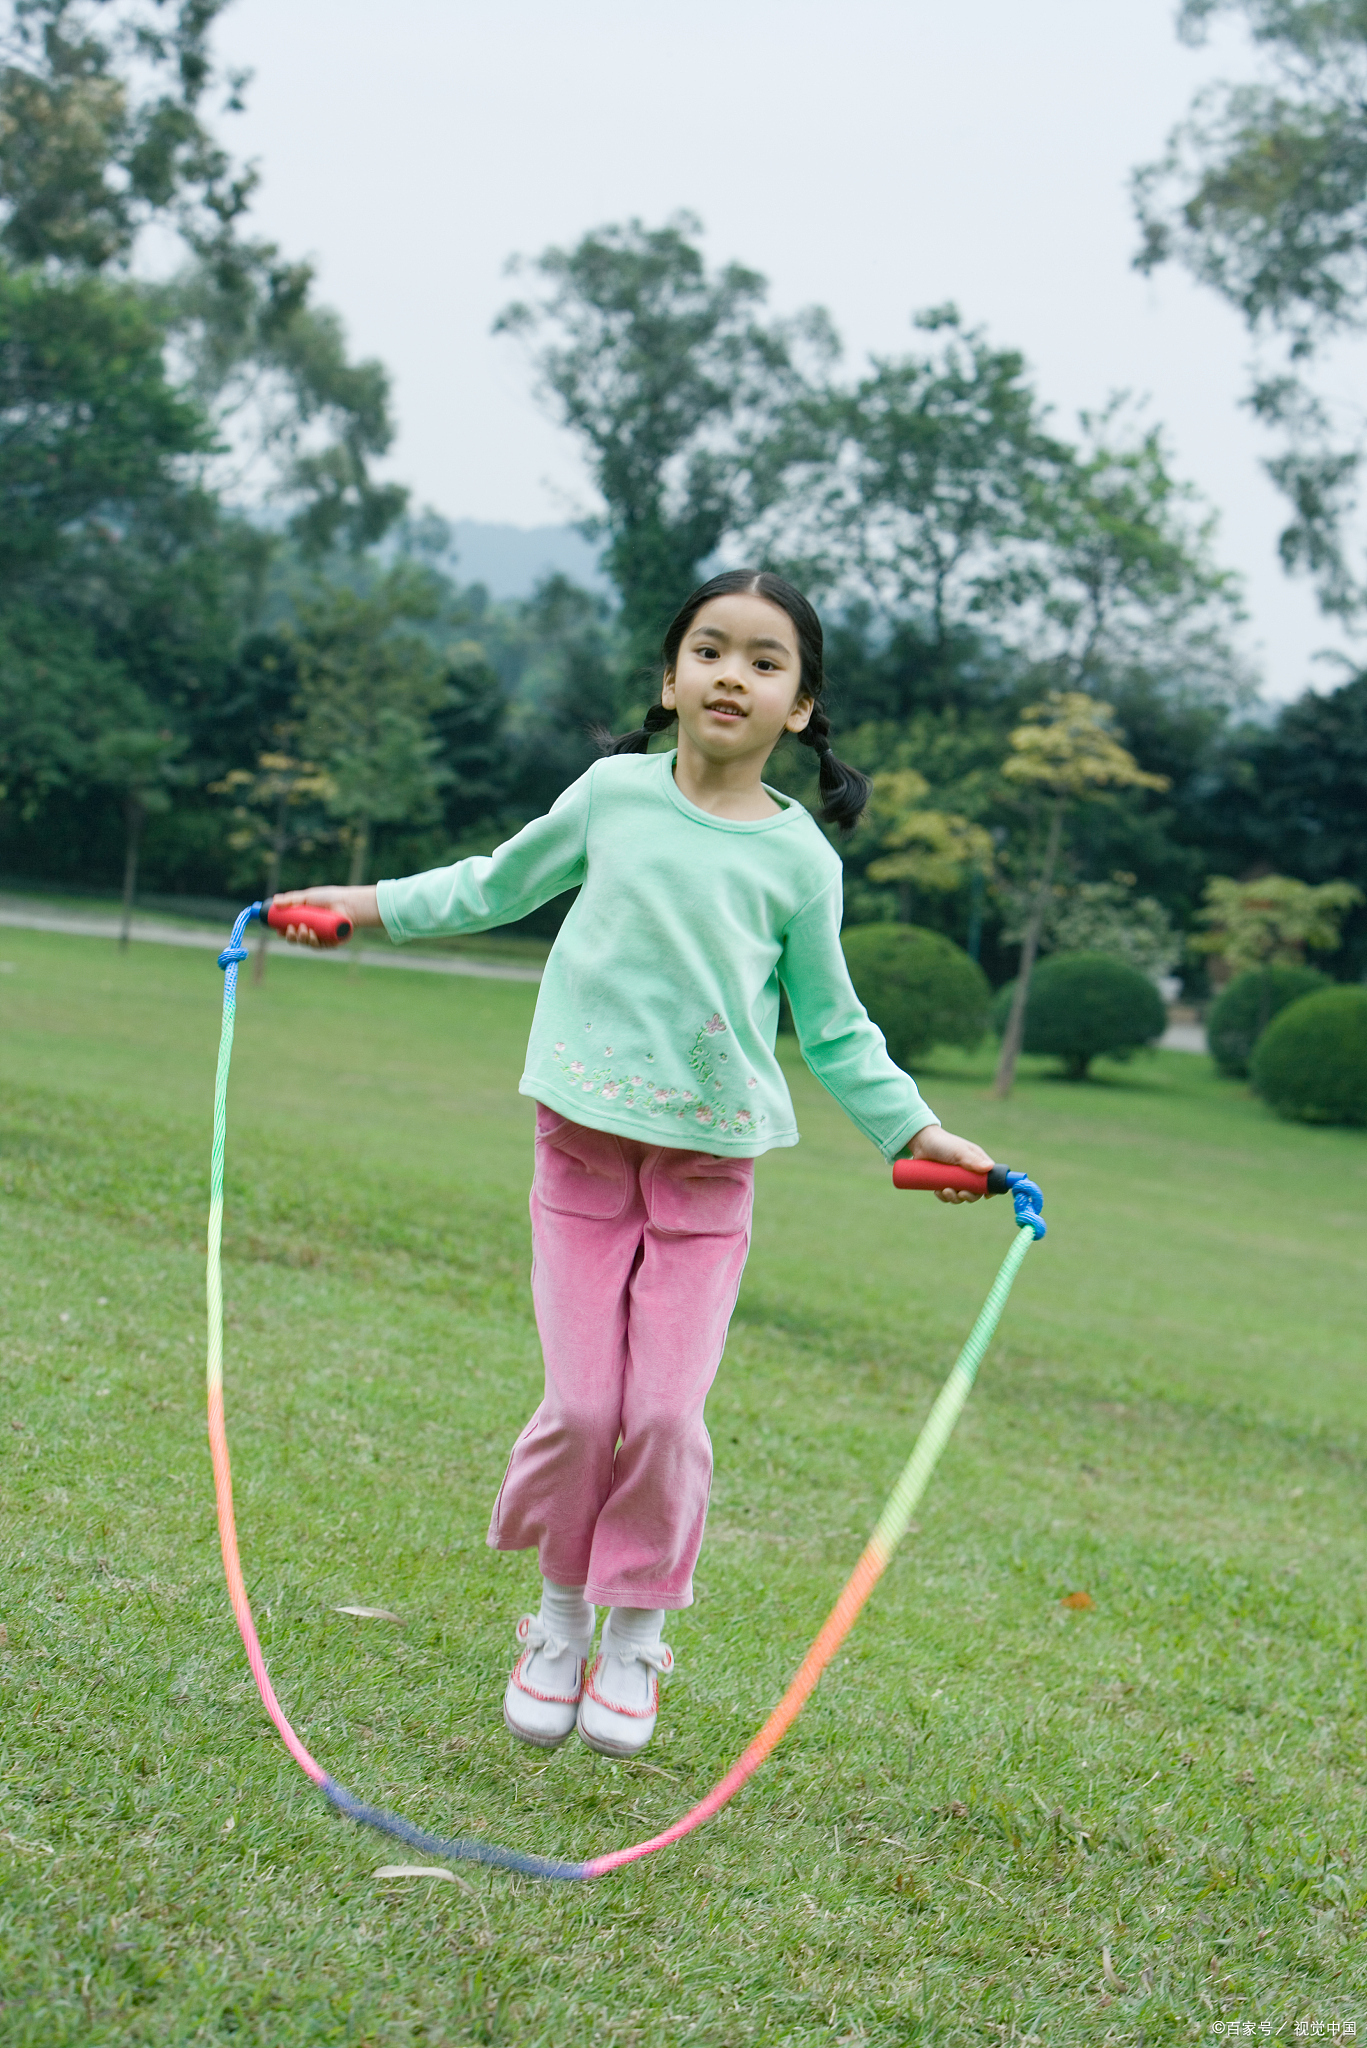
[
  {"x": 621, "y": 1695},
  {"x": 542, "y": 1699}
]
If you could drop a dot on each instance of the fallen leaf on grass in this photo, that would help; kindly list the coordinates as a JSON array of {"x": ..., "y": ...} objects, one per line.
[
  {"x": 415, "y": 1869},
  {"x": 370, "y": 1613},
  {"x": 1077, "y": 1600},
  {"x": 1108, "y": 1971}
]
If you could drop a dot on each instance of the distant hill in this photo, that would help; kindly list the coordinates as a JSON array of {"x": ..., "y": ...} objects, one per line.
[{"x": 511, "y": 560}]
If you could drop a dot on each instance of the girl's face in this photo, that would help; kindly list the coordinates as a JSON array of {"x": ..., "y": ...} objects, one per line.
[{"x": 737, "y": 686}]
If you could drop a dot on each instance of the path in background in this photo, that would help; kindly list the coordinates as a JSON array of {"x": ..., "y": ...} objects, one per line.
[
  {"x": 78, "y": 925},
  {"x": 1177, "y": 1037}
]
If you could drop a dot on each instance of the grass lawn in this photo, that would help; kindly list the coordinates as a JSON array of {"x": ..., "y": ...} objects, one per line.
[{"x": 1001, "y": 1820}]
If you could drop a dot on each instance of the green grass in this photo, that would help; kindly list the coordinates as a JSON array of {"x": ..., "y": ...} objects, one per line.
[{"x": 991, "y": 1794}]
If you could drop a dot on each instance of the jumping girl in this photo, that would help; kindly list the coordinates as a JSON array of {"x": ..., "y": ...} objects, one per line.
[{"x": 702, "y": 892}]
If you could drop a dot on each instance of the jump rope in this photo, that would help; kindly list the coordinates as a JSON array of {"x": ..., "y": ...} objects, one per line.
[{"x": 331, "y": 929}]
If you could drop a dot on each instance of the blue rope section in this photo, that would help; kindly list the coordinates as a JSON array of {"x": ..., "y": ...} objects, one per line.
[
  {"x": 1029, "y": 1201},
  {"x": 235, "y": 952},
  {"x": 460, "y": 1848}
]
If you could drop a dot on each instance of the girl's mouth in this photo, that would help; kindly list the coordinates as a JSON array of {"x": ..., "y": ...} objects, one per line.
[{"x": 724, "y": 710}]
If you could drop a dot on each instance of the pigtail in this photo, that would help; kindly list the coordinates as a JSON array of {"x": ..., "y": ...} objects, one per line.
[
  {"x": 658, "y": 719},
  {"x": 844, "y": 791}
]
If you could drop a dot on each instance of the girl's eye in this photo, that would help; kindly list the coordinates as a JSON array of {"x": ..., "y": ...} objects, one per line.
[{"x": 765, "y": 665}]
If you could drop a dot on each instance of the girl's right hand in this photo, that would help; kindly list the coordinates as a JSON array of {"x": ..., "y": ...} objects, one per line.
[{"x": 361, "y": 906}]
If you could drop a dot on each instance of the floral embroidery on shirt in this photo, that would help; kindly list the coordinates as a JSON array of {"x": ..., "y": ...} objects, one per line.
[{"x": 656, "y": 1098}]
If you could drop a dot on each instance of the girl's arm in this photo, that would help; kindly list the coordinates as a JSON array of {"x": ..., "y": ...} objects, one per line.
[
  {"x": 848, "y": 1054},
  {"x": 541, "y": 861}
]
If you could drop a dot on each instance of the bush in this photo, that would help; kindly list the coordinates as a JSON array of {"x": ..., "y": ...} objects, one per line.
[
  {"x": 1247, "y": 1007},
  {"x": 1084, "y": 1005},
  {"x": 1311, "y": 1062},
  {"x": 919, "y": 988}
]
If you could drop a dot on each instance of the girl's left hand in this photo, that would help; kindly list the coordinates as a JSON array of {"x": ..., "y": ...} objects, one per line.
[{"x": 934, "y": 1142}]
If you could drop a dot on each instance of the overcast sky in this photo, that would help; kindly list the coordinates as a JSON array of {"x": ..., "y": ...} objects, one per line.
[{"x": 872, "y": 156}]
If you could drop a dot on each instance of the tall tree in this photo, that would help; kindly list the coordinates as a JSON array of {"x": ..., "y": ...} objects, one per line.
[
  {"x": 666, "y": 373},
  {"x": 1262, "y": 195},
  {"x": 369, "y": 683},
  {"x": 1126, "y": 580},
  {"x": 103, "y": 135},
  {"x": 918, "y": 486}
]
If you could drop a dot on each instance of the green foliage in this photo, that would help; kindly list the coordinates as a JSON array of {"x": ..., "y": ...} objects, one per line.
[
  {"x": 1243, "y": 1011},
  {"x": 664, "y": 372},
  {"x": 92, "y": 424},
  {"x": 1108, "y": 917},
  {"x": 1311, "y": 1062},
  {"x": 921, "y": 484},
  {"x": 1292, "y": 796},
  {"x": 1262, "y": 195},
  {"x": 101, "y": 133},
  {"x": 368, "y": 686},
  {"x": 1085, "y": 1006},
  {"x": 920, "y": 989}
]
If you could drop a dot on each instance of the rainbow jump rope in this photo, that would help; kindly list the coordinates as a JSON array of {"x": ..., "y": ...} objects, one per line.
[{"x": 333, "y": 929}]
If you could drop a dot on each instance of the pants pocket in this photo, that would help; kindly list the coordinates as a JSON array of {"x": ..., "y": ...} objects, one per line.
[
  {"x": 578, "y": 1172},
  {"x": 697, "y": 1194}
]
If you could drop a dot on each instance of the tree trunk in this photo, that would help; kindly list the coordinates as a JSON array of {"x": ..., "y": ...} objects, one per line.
[
  {"x": 360, "y": 854},
  {"x": 133, "y": 815},
  {"x": 272, "y": 884},
  {"x": 1015, "y": 1023},
  {"x": 975, "y": 914}
]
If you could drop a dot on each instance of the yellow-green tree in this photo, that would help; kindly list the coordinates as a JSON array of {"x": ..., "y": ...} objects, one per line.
[
  {"x": 1270, "y": 922},
  {"x": 1067, "y": 750},
  {"x": 925, "y": 848}
]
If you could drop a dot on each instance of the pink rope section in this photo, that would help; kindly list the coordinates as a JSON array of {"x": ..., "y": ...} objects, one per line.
[
  {"x": 834, "y": 1630},
  {"x": 237, "y": 1592}
]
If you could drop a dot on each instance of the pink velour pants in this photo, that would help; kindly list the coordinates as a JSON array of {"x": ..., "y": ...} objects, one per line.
[{"x": 637, "y": 1253}]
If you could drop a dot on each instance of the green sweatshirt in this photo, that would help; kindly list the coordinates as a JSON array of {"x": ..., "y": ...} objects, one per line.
[{"x": 658, "y": 1008}]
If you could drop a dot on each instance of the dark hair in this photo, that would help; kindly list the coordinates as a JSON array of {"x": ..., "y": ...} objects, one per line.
[{"x": 844, "y": 791}]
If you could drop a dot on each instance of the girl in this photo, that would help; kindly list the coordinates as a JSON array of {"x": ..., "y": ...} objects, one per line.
[{"x": 701, "y": 892}]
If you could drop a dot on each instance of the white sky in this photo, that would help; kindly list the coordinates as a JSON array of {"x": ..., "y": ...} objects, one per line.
[{"x": 873, "y": 156}]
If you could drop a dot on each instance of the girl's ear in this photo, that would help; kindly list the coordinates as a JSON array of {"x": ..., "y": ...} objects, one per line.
[
  {"x": 799, "y": 717},
  {"x": 667, "y": 690}
]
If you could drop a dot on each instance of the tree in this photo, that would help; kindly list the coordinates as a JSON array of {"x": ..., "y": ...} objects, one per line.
[
  {"x": 138, "y": 762},
  {"x": 368, "y": 686},
  {"x": 1067, "y": 751},
  {"x": 1270, "y": 922},
  {"x": 666, "y": 374},
  {"x": 919, "y": 486},
  {"x": 1262, "y": 196},
  {"x": 922, "y": 848},
  {"x": 1126, "y": 583},
  {"x": 1110, "y": 919},
  {"x": 102, "y": 136}
]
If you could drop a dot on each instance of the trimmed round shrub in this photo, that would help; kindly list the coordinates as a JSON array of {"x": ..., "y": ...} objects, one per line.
[
  {"x": 919, "y": 987},
  {"x": 1240, "y": 1016},
  {"x": 1083, "y": 1006},
  {"x": 1311, "y": 1062}
]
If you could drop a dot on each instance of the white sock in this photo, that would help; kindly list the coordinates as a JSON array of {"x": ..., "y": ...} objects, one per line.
[
  {"x": 636, "y": 1627},
  {"x": 568, "y": 1614}
]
